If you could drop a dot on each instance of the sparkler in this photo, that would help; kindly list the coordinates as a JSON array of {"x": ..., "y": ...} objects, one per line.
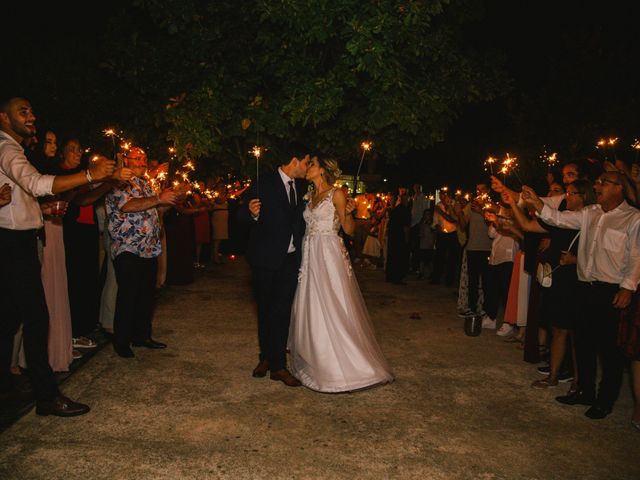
[
  {"x": 256, "y": 151},
  {"x": 509, "y": 164},
  {"x": 636, "y": 146},
  {"x": 605, "y": 143},
  {"x": 366, "y": 146},
  {"x": 489, "y": 161},
  {"x": 551, "y": 160},
  {"x": 110, "y": 132}
]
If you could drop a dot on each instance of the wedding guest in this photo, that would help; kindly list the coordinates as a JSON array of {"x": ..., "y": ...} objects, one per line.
[
  {"x": 363, "y": 224},
  {"x": 418, "y": 204},
  {"x": 397, "y": 265},
  {"x": 132, "y": 209},
  {"x": 427, "y": 243},
  {"x": 201, "y": 225},
  {"x": 609, "y": 271},
  {"x": 81, "y": 251},
  {"x": 559, "y": 303},
  {"x": 219, "y": 220},
  {"x": 478, "y": 248},
  {"x": 21, "y": 292},
  {"x": 503, "y": 250},
  {"x": 54, "y": 269},
  {"x": 447, "y": 246}
]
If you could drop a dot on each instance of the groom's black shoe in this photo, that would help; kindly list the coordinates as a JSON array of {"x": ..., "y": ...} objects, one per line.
[
  {"x": 262, "y": 369},
  {"x": 285, "y": 377}
]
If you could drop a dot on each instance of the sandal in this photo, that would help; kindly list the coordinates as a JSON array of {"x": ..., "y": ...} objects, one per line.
[
  {"x": 84, "y": 342},
  {"x": 544, "y": 383}
]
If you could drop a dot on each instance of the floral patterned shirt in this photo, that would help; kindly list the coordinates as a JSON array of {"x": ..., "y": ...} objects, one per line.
[{"x": 134, "y": 232}]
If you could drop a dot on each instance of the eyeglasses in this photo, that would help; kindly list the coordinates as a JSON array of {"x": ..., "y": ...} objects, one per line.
[
  {"x": 602, "y": 181},
  {"x": 570, "y": 193}
]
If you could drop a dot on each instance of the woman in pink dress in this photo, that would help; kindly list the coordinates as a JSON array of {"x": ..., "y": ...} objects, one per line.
[{"x": 54, "y": 270}]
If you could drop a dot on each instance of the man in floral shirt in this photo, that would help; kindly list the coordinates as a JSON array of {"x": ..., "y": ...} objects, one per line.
[{"x": 134, "y": 227}]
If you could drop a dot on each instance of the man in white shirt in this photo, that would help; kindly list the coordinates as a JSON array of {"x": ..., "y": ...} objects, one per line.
[
  {"x": 21, "y": 293},
  {"x": 609, "y": 271}
]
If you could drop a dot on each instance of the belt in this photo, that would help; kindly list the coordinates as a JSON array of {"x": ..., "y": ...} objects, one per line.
[{"x": 598, "y": 283}]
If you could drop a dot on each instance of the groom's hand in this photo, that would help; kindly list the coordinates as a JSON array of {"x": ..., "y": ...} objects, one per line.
[{"x": 254, "y": 207}]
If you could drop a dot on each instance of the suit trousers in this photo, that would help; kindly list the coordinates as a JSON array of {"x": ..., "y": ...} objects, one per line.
[
  {"x": 23, "y": 302},
  {"x": 135, "y": 302},
  {"x": 596, "y": 333},
  {"x": 274, "y": 291}
]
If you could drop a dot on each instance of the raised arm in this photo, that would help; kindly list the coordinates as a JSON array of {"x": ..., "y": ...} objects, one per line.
[
  {"x": 344, "y": 207},
  {"x": 527, "y": 224},
  {"x": 564, "y": 219}
]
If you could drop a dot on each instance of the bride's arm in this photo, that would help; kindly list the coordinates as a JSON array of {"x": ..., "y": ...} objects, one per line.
[{"x": 344, "y": 207}]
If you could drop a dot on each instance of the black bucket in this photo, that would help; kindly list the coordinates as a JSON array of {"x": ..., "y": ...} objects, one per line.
[{"x": 473, "y": 325}]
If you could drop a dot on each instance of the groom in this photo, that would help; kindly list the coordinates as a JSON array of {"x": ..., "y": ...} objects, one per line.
[{"x": 274, "y": 254}]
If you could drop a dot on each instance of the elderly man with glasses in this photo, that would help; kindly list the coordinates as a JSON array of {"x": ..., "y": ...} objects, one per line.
[
  {"x": 609, "y": 271},
  {"x": 134, "y": 227}
]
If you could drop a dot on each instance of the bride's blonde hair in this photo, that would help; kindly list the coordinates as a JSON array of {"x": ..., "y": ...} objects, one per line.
[{"x": 331, "y": 170}]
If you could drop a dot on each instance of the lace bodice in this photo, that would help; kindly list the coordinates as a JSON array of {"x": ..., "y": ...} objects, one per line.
[{"x": 322, "y": 219}]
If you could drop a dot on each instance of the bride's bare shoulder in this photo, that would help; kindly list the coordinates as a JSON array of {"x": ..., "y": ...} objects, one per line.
[{"x": 339, "y": 196}]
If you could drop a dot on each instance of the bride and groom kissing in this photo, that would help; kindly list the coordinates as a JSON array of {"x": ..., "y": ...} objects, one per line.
[{"x": 307, "y": 295}]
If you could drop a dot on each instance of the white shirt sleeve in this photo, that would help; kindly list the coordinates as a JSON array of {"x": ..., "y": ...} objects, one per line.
[
  {"x": 15, "y": 166},
  {"x": 564, "y": 219}
]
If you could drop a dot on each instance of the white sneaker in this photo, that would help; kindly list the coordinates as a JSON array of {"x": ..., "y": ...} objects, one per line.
[
  {"x": 488, "y": 323},
  {"x": 505, "y": 330}
]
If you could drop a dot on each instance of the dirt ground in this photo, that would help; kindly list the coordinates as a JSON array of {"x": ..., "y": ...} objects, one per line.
[{"x": 460, "y": 408}]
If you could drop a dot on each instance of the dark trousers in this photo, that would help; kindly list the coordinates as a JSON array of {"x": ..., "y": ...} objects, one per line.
[
  {"x": 81, "y": 250},
  {"x": 477, "y": 263},
  {"x": 274, "y": 291},
  {"x": 135, "y": 302},
  {"x": 596, "y": 333},
  {"x": 496, "y": 288},
  {"x": 447, "y": 257},
  {"x": 23, "y": 302}
]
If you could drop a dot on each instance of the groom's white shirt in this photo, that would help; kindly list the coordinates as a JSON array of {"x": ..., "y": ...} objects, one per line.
[{"x": 285, "y": 179}]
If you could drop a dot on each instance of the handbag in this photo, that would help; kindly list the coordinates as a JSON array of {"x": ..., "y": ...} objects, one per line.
[{"x": 544, "y": 271}]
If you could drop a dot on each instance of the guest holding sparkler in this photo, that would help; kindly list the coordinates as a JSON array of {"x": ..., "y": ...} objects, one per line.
[
  {"x": 21, "y": 291},
  {"x": 609, "y": 271},
  {"x": 133, "y": 212},
  {"x": 445, "y": 224}
]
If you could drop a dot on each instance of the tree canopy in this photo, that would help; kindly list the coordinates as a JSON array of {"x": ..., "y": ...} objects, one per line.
[{"x": 221, "y": 76}]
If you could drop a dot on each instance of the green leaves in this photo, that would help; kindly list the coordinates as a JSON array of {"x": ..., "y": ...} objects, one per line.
[{"x": 328, "y": 73}]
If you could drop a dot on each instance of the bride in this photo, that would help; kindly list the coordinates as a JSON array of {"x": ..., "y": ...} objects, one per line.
[{"x": 331, "y": 339}]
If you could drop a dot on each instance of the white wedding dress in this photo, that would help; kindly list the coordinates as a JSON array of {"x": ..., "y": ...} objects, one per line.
[{"x": 331, "y": 339}]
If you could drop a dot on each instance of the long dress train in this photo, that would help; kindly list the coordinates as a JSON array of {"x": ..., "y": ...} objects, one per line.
[{"x": 331, "y": 338}]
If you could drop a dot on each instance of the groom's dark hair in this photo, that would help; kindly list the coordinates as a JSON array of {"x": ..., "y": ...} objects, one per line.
[{"x": 293, "y": 149}]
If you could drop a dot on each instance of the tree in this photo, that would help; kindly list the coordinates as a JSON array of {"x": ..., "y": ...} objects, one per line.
[{"x": 226, "y": 75}]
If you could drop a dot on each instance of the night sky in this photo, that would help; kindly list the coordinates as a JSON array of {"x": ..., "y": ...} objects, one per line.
[{"x": 572, "y": 68}]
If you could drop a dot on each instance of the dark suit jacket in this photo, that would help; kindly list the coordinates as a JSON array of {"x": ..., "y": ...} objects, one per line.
[{"x": 270, "y": 235}]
